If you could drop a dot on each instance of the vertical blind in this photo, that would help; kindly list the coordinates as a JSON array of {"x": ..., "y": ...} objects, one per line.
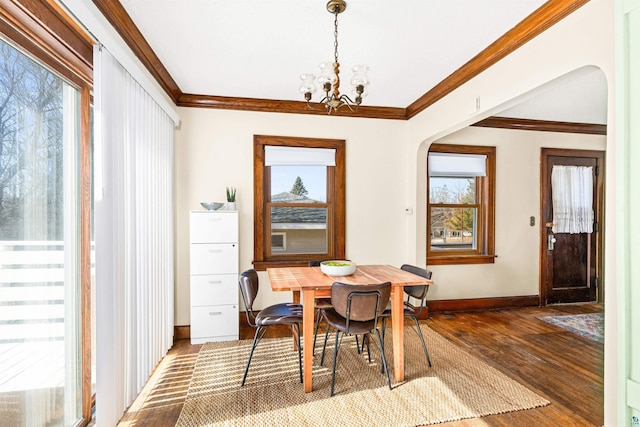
[
  {"x": 134, "y": 236},
  {"x": 453, "y": 165},
  {"x": 275, "y": 155}
]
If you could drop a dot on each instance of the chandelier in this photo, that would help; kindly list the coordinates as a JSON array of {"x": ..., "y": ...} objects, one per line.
[{"x": 329, "y": 77}]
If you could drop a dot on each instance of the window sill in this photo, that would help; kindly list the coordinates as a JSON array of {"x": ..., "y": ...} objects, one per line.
[
  {"x": 263, "y": 265},
  {"x": 461, "y": 259}
]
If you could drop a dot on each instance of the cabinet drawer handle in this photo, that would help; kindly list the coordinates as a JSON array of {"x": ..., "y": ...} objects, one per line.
[
  {"x": 215, "y": 251},
  {"x": 215, "y": 219},
  {"x": 215, "y": 313},
  {"x": 215, "y": 282}
]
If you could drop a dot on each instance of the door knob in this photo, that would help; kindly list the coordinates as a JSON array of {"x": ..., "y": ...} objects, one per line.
[{"x": 551, "y": 240}]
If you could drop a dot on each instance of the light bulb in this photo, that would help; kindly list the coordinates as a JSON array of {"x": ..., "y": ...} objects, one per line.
[
  {"x": 327, "y": 74},
  {"x": 360, "y": 76},
  {"x": 307, "y": 84}
]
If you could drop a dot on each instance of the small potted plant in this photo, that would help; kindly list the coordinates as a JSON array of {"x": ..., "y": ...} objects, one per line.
[{"x": 231, "y": 198}]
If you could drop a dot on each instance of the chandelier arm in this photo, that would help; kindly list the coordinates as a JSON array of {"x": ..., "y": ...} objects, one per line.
[
  {"x": 311, "y": 106},
  {"x": 345, "y": 100},
  {"x": 323, "y": 101},
  {"x": 346, "y": 97}
]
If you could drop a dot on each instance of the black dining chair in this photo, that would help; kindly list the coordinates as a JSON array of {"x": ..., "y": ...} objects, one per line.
[
  {"x": 356, "y": 310},
  {"x": 278, "y": 314},
  {"x": 319, "y": 304},
  {"x": 418, "y": 292}
]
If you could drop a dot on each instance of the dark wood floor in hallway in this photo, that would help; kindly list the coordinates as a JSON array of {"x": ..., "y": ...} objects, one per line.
[{"x": 563, "y": 367}]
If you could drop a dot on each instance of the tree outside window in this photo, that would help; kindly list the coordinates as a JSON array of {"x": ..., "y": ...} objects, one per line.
[
  {"x": 460, "y": 208},
  {"x": 299, "y": 188},
  {"x": 299, "y": 203},
  {"x": 39, "y": 243},
  {"x": 31, "y": 149}
]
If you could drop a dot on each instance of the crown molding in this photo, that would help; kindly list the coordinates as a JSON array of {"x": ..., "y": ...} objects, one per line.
[
  {"x": 47, "y": 32},
  {"x": 124, "y": 25},
  {"x": 542, "y": 125},
  {"x": 279, "y": 106},
  {"x": 540, "y": 20}
]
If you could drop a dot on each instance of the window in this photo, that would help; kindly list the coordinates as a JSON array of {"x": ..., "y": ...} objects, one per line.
[
  {"x": 278, "y": 242},
  {"x": 299, "y": 200},
  {"x": 45, "y": 291},
  {"x": 40, "y": 286},
  {"x": 460, "y": 210}
]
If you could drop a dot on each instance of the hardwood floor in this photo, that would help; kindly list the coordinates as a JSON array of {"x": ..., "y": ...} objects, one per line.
[{"x": 564, "y": 367}]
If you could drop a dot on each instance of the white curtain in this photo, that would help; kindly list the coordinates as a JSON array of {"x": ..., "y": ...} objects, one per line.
[
  {"x": 572, "y": 194},
  {"x": 133, "y": 234}
]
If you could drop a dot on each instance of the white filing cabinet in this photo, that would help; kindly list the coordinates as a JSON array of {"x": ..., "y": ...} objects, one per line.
[{"x": 214, "y": 276}]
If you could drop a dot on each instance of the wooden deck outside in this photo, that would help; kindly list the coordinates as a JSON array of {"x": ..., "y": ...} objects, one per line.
[
  {"x": 564, "y": 367},
  {"x": 31, "y": 365},
  {"x": 34, "y": 362}
]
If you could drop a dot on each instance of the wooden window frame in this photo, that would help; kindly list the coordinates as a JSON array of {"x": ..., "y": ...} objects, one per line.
[
  {"x": 45, "y": 31},
  {"x": 335, "y": 204},
  {"x": 484, "y": 253}
]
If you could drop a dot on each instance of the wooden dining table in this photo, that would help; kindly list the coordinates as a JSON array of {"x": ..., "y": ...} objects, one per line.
[{"x": 313, "y": 283}]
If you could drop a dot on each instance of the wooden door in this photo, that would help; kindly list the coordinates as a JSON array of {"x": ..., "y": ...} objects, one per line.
[{"x": 571, "y": 263}]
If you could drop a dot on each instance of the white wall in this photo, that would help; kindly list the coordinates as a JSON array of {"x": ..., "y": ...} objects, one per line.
[
  {"x": 386, "y": 167},
  {"x": 516, "y": 271},
  {"x": 584, "y": 38},
  {"x": 214, "y": 149}
]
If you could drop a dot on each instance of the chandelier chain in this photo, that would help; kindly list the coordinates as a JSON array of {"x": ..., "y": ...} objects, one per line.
[
  {"x": 336, "y": 64},
  {"x": 335, "y": 35}
]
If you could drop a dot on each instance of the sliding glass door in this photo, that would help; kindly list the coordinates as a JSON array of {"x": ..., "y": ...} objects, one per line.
[{"x": 40, "y": 320}]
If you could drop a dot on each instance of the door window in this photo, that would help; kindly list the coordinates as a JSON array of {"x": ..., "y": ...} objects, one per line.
[{"x": 40, "y": 318}]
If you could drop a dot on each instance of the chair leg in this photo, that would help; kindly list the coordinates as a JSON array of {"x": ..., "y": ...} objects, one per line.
[
  {"x": 424, "y": 346},
  {"x": 384, "y": 360},
  {"x": 366, "y": 337},
  {"x": 335, "y": 360},
  {"x": 315, "y": 333},
  {"x": 297, "y": 327},
  {"x": 324, "y": 347},
  {"x": 384, "y": 328},
  {"x": 253, "y": 347}
]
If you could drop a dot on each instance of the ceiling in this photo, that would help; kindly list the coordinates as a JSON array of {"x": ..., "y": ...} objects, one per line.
[{"x": 258, "y": 48}]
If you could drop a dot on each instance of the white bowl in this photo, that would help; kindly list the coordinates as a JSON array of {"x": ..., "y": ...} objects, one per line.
[
  {"x": 212, "y": 206},
  {"x": 338, "y": 267}
]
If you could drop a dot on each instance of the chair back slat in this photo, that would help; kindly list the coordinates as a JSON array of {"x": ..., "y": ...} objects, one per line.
[
  {"x": 360, "y": 303},
  {"x": 418, "y": 291},
  {"x": 249, "y": 286}
]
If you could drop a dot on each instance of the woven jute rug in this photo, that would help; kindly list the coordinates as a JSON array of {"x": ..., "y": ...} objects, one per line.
[{"x": 458, "y": 386}]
